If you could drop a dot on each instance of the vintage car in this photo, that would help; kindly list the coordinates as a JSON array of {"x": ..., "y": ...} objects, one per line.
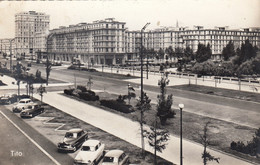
[
  {"x": 8, "y": 98},
  {"x": 73, "y": 140},
  {"x": 32, "y": 110},
  {"x": 115, "y": 157},
  {"x": 22, "y": 104},
  {"x": 90, "y": 153}
]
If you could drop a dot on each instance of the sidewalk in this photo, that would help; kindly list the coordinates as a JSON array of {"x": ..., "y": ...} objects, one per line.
[
  {"x": 183, "y": 80},
  {"x": 11, "y": 83},
  {"x": 129, "y": 131}
]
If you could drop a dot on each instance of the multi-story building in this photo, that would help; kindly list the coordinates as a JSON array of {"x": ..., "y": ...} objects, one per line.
[
  {"x": 28, "y": 26},
  {"x": 7, "y": 46},
  {"x": 110, "y": 42},
  {"x": 100, "y": 42}
]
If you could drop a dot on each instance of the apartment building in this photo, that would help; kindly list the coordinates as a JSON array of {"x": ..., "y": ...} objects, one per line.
[
  {"x": 110, "y": 42},
  {"x": 100, "y": 42},
  {"x": 29, "y": 27},
  {"x": 7, "y": 45}
]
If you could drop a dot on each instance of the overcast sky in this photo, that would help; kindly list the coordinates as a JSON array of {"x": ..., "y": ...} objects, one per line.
[{"x": 208, "y": 13}]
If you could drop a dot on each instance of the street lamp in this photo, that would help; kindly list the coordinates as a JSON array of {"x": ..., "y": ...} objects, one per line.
[
  {"x": 27, "y": 87},
  {"x": 181, "y": 106},
  {"x": 11, "y": 68},
  {"x": 142, "y": 93}
]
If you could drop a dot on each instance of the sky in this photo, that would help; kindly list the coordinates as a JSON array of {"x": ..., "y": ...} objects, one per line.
[{"x": 136, "y": 13}]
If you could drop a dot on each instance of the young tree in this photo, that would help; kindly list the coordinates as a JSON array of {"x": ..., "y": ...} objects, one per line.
[
  {"x": 206, "y": 156},
  {"x": 41, "y": 90},
  {"x": 90, "y": 83},
  {"x": 143, "y": 106},
  {"x": 228, "y": 51},
  {"x": 157, "y": 138},
  {"x": 164, "y": 110},
  {"x": 48, "y": 70}
]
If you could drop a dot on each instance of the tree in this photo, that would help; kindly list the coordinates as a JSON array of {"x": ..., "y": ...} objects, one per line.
[
  {"x": 178, "y": 52},
  {"x": 18, "y": 75},
  {"x": 204, "y": 68},
  {"x": 246, "y": 52},
  {"x": 90, "y": 82},
  {"x": 41, "y": 90},
  {"x": 157, "y": 138},
  {"x": 206, "y": 156},
  {"x": 188, "y": 55},
  {"x": 203, "y": 53},
  {"x": 161, "y": 53},
  {"x": 164, "y": 110},
  {"x": 170, "y": 52},
  {"x": 228, "y": 51},
  {"x": 48, "y": 70},
  {"x": 142, "y": 106}
]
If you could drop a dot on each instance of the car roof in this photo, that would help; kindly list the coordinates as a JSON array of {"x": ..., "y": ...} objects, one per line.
[
  {"x": 25, "y": 99},
  {"x": 75, "y": 130},
  {"x": 90, "y": 142},
  {"x": 114, "y": 153}
]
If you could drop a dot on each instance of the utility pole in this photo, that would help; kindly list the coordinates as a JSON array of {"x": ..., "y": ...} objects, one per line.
[{"x": 142, "y": 86}]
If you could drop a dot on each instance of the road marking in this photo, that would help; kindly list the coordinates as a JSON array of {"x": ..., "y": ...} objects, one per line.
[{"x": 37, "y": 145}]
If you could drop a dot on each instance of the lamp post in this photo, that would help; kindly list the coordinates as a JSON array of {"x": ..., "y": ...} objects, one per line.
[
  {"x": 27, "y": 87},
  {"x": 11, "y": 68},
  {"x": 142, "y": 93},
  {"x": 181, "y": 106}
]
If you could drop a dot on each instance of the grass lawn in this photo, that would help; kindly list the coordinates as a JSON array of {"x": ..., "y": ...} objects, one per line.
[
  {"x": 249, "y": 96},
  {"x": 221, "y": 133}
]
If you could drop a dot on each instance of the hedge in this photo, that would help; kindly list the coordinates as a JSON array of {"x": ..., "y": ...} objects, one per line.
[
  {"x": 113, "y": 104},
  {"x": 88, "y": 96}
]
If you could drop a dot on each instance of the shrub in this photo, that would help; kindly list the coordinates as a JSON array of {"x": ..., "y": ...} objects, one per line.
[
  {"x": 68, "y": 91},
  {"x": 113, "y": 104},
  {"x": 88, "y": 96},
  {"x": 82, "y": 88}
]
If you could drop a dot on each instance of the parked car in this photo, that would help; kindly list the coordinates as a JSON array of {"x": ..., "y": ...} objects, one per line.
[
  {"x": 22, "y": 104},
  {"x": 32, "y": 110},
  {"x": 8, "y": 98},
  {"x": 115, "y": 157},
  {"x": 90, "y": 153},
  {"x": 73, "y": 140}
]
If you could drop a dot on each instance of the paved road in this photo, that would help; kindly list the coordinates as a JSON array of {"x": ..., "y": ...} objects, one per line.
[
  {"x": 207, "y": 105},
  {"x": 22, "y": 145}
]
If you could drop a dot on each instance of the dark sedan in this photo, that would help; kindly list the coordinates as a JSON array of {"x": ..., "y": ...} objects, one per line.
[
  {"x": 32, "y": 110},
  {"x": 73, "y": 140}
]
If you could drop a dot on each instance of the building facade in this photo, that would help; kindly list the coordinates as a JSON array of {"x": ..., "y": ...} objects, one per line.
[
  {"x": 29, "y": 27},
  {"x": 110, "y": 42},
  {"x": 7, "y": 46},
  {"x": 100, "y": 42}
]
